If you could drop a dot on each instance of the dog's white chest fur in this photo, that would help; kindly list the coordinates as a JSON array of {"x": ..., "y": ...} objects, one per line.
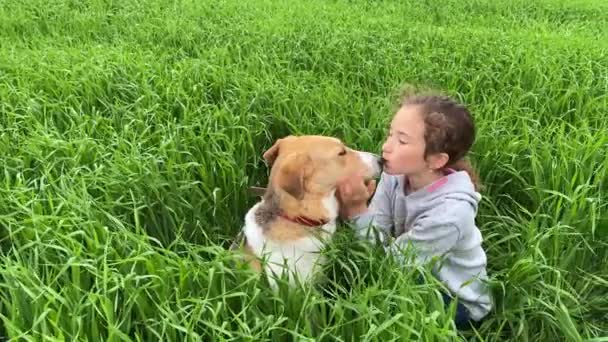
[{"x": 301, "y": 256}]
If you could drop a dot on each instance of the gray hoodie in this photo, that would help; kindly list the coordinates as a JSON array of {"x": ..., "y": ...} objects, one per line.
[{"x": 439, "y": 220}]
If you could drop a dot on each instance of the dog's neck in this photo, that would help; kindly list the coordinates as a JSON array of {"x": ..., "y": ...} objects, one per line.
[
  {"x": 303, "y": 220},
  {"x": 311, "y": 210}
]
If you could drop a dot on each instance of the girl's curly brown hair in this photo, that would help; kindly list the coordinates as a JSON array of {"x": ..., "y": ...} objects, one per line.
[{"x": 449, "y": 128}]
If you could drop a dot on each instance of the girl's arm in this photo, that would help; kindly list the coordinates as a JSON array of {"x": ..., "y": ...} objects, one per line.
[
  {"x": 437, "y": 232},
  {"x": 375, "y": 222},
  {"x": 429, "y": 240}
]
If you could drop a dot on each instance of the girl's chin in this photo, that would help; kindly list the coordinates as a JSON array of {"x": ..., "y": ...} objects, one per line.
[
  {"x": 387, "y": 169},
  {"x": 391, "y": 171}
]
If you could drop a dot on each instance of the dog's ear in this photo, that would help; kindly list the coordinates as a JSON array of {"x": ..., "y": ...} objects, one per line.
[
  {"x": 292, "y": 174},
  {"x": 273, "y": 152}
]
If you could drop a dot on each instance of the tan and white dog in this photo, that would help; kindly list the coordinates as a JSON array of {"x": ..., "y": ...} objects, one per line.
[{"x": 298, "y": 210}]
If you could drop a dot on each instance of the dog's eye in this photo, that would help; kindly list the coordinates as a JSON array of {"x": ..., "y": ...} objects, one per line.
[{"x": 342, "y": 153}]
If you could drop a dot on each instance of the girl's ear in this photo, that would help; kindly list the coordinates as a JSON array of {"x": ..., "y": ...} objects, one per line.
[{"x": 437, "y": 161}]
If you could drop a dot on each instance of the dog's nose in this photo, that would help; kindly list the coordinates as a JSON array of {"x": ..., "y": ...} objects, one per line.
[
  {"x": 379, "y": 160},
  {"x": 373, "y": 161}
]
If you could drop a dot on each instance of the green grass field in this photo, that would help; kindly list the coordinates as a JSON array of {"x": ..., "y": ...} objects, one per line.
[{"x": 130, "y": 131}]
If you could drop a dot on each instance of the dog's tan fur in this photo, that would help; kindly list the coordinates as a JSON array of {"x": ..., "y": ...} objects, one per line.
[
  {"x": 251, "y": 258},
  {"x": 305, "y": 172}
]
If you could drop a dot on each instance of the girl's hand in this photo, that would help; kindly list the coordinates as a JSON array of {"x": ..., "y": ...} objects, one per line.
[{"x": 353, "y": 196}]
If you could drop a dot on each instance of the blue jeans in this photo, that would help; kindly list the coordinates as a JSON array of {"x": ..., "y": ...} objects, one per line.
[{"x": 463, "y": 318}]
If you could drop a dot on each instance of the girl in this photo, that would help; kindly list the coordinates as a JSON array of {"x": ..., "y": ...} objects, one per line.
[{"x": 428, "y": 197}]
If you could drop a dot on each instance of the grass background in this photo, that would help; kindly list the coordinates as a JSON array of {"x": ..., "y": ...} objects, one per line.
[{"x": 130, "y": 132}]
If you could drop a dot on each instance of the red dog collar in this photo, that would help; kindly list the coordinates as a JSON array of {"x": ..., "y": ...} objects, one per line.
[{"x": 304, "y": 220}]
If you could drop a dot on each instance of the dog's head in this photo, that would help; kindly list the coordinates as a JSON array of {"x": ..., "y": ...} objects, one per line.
[{"x": 315, "y": 165}]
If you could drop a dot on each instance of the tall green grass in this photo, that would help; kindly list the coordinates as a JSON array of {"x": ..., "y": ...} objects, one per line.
[{"x": 130, "y": 132}]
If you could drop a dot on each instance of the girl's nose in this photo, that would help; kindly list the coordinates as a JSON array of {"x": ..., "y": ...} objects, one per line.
[{"x": 385, "y": 147}]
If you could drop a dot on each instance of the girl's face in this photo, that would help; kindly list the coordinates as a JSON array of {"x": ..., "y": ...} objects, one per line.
[
  {"x": 403, "y": 150},
  {"x": 404, "y": 147}
]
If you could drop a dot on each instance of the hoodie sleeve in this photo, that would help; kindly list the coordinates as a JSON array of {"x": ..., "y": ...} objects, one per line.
[
  {"x": 376, "y": 223},
  {"x": 431, "y": 236}
]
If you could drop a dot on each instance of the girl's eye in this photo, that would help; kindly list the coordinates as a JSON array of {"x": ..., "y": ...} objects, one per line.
[{"x": 342, "y": 153}]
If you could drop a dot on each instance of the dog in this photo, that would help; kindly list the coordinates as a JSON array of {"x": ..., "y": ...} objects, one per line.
[{"x": 297, "y": 213}]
